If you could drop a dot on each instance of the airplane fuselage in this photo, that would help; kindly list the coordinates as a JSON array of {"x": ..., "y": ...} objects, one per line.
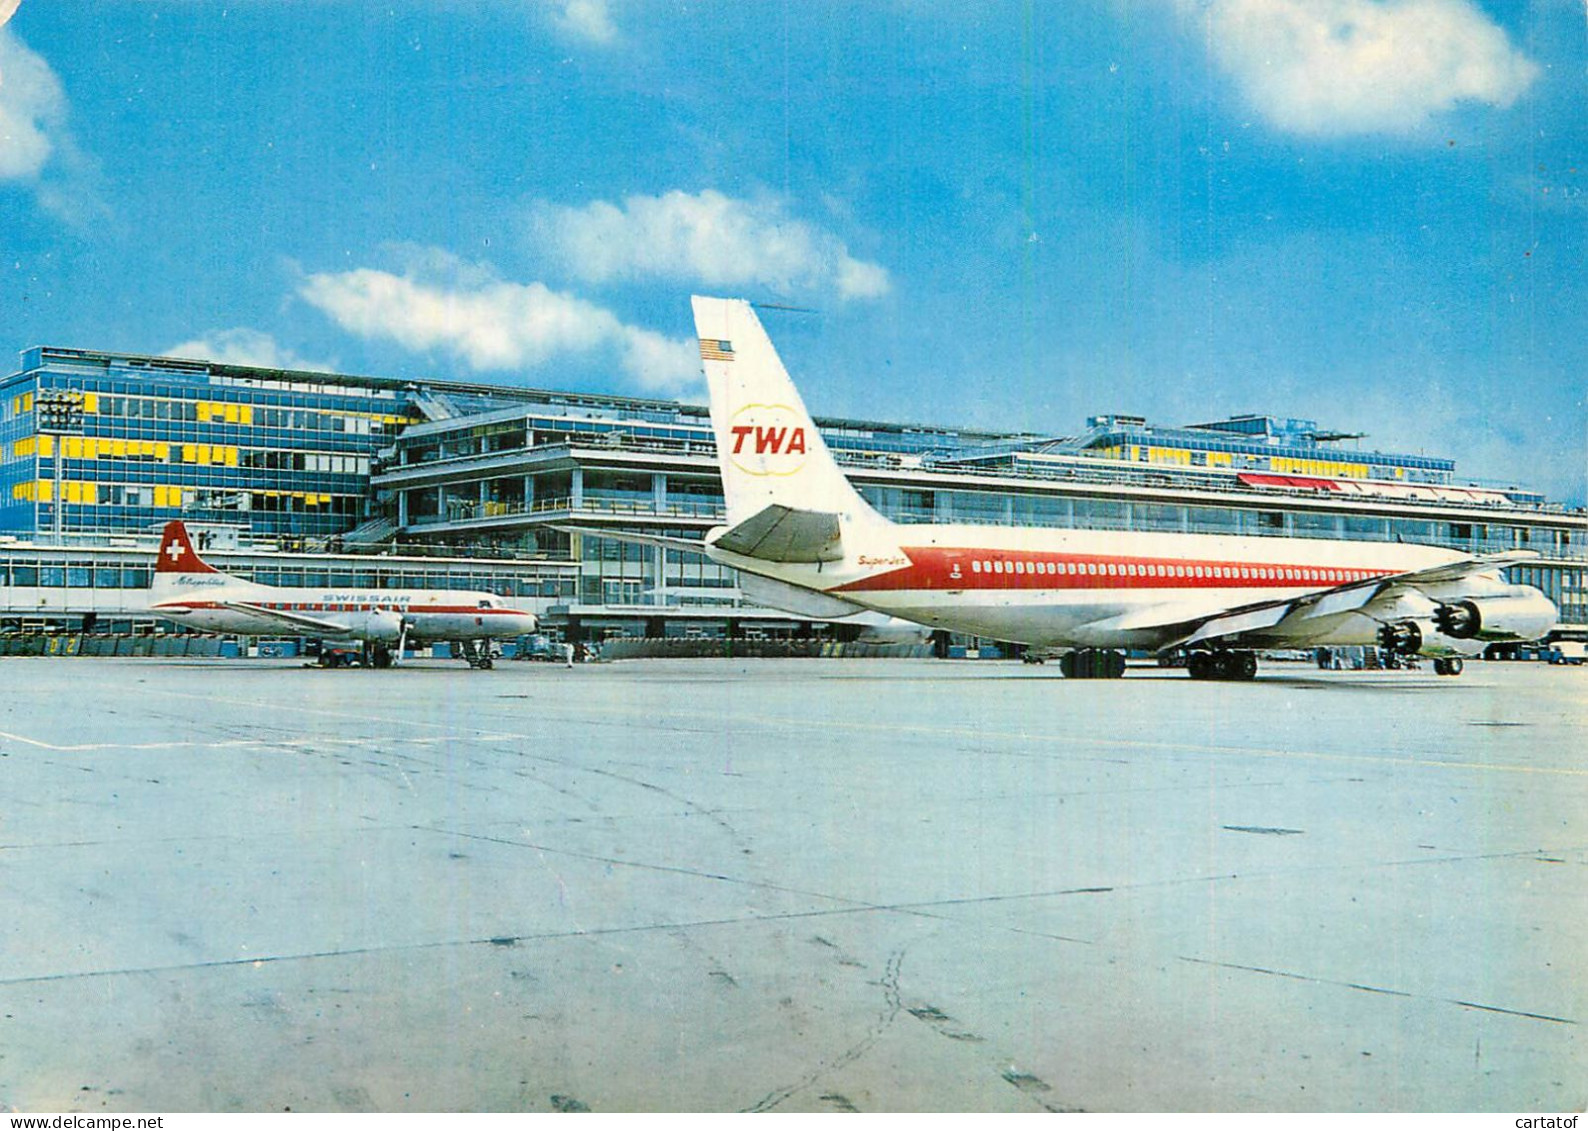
[
  {"x": 1049, "y": 587},
  {"x": 208, "y": 602}
]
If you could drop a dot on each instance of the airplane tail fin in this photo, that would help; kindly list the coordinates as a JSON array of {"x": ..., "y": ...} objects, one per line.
[
  {"x": 177, "y": 554},
  {"x": 768, "y": 448},
  {"x": 178, "y": 567}
]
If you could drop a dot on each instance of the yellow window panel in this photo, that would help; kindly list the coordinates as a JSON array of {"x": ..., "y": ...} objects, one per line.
[
  {"x": 189, "y": 453},
  {"x": 90, "y": 402},
  {"x": 162, "y": 451},
  {"x": 203, "y": 453},
  {"x": 46, "y": 445},
  {"x": 245, "y": 414},
  {"x": 231, "y": 457},
  {"x": 118, "y": 449},
  {"x": 231, "y": 414},
  {"x": 46, "y": 490},
  {"x": 27, "y": 402}
]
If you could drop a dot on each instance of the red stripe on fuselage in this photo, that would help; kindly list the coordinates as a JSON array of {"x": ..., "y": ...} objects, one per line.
[
  {"x": 933, "y": 568},
  {"x": 315, "y": 607}
]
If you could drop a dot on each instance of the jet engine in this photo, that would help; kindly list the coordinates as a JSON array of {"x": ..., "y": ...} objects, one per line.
[
  {"x": 383, "y": 625},
  {"x": 1421, "y": 637},
  {"x": 1520, "y": 613}
]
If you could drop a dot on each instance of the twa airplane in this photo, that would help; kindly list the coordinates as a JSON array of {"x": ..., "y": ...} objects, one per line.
[
  {"x": 804, "y": 540},
  {"x": 188, "y": 590}
]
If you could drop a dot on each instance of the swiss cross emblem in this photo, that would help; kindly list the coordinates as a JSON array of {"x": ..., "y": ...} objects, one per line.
[{"x": 174, "y": 551}]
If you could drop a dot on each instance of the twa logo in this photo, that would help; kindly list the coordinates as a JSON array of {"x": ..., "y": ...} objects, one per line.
[{"x": 767, "y": 439}]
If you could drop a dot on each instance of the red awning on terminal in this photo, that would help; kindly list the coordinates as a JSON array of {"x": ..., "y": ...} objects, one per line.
[
  {"x": 1374, "y": 487},
  {"x": 1303, "y": 482}
]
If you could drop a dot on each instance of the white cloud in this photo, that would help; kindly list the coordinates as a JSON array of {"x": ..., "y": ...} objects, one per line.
[
  {"x": 585, "y": 19},
  {"x": 243, "y": 346},
  {"x": 705, "y": 238},
  {"x": 1333, "y": 67},
  {"x": 32, "y": 108},
  {"x": 492, "y": 324}
]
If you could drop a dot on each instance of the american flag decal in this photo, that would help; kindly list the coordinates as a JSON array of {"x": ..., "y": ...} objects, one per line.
[{"x": 715, "y": 349}]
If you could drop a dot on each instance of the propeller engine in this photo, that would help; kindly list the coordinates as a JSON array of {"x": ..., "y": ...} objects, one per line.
[{"x": 386, "y": 626}]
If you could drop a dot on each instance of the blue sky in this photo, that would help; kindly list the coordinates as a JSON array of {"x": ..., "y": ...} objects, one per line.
[{"x": 1373, "y": 213}]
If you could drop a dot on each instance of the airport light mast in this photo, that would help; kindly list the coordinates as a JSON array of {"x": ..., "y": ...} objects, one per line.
[{"x": 60, "y": 414}]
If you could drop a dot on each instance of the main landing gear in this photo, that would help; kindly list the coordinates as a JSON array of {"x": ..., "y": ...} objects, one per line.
[
  {"x": 1092, "y": 663},
  {"x": 366, "y": 655},
  {"x": 1227, "y": 665},
  {"x": 1448, "y": 665},
  {"x": 477, "y": 652}
]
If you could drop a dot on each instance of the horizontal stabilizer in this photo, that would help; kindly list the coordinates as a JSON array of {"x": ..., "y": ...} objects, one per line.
[
  {"x": 794, "y": 598},
  {"x": 633, "y": 537},
  {"x": 778, "y": 533}
]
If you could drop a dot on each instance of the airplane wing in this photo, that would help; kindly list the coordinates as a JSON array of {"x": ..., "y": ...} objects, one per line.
[
  {"x": 287, "y": 619},
  {"x": 1295, "y": 616}
]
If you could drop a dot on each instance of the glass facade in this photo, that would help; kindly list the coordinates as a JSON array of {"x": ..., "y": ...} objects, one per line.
[
  {"x": 448, "y": 468},
  {"x": 161, "y": 438},
  {"x": 1256, "y": 443},
  {"x": 453, "y": 483}
]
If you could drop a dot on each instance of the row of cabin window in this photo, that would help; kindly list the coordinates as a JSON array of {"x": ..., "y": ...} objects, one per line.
[
  {"x": 347, "y": 607},
  {"x": 1234, "y": 573}
]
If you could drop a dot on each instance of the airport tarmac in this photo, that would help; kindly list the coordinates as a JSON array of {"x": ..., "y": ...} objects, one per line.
[{"x": 804, "y": 885}]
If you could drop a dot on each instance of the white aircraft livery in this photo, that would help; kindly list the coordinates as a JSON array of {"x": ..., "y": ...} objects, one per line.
[
  {"x": 190, "y": 591},
  {"x": 804, "y": 540}
]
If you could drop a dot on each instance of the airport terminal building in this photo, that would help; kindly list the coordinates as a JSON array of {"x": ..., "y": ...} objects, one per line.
[{"x": 311, "y": 478}]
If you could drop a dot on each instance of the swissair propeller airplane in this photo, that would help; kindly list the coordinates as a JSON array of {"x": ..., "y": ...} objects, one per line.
[
  {"x": 805, "y": 541},
  {"x": 190, "y": 591}
]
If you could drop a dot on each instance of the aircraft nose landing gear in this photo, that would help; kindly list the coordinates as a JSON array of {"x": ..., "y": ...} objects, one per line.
[{"x": 1448, "y": 665}]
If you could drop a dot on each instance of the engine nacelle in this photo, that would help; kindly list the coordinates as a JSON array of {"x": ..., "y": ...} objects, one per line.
[
  {"x": 1521, "y": 613},
  {"x": 382, "y": 625},
  {"x": 1420, "y": 637}
]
